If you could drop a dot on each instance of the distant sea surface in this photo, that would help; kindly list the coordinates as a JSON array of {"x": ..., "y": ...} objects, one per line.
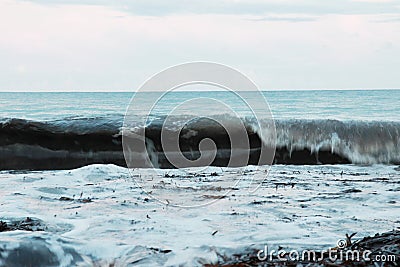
[{"x": 367, "y": 105}]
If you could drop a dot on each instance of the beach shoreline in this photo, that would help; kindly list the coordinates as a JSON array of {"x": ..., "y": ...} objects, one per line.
[{"x": 296, "y": 207}]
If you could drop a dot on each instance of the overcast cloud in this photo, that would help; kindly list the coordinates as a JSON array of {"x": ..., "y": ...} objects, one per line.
[
  {"x": 240, "y": 7},
  {"x": 116, "y": 45}
]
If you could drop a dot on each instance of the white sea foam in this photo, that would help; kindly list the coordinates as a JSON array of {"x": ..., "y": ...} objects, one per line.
[{"x": 296, "y": 207}]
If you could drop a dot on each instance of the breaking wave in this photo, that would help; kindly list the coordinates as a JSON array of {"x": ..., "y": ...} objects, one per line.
[{"x": 75, "y": 142}]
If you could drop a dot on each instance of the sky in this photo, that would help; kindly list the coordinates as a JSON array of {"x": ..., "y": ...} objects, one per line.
[{"x": 99, "y": 45}]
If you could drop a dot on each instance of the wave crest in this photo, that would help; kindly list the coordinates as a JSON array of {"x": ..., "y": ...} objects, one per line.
[{"x": 76, "y": 142}]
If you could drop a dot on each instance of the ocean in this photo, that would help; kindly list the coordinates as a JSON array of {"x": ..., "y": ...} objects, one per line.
[
  {"x": 345, "y": 105},
  {"x": 67, "y": 198},
  {"x": 310, "y": 127}
]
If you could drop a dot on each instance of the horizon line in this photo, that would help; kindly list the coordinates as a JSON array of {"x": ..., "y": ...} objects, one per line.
[{"x": 263, "y": 90}]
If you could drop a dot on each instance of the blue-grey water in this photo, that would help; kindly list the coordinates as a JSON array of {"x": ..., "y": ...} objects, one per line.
[
  {"x": 360, "y": 126},
  {"x": 365, "y": 105}
]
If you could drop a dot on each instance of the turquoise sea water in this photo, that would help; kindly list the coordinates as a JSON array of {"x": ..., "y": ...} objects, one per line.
[{"x": 365, "y": 105}]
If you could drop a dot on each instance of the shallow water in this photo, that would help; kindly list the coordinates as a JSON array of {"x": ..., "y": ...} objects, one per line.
[{"x": 295, "y": 207}]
